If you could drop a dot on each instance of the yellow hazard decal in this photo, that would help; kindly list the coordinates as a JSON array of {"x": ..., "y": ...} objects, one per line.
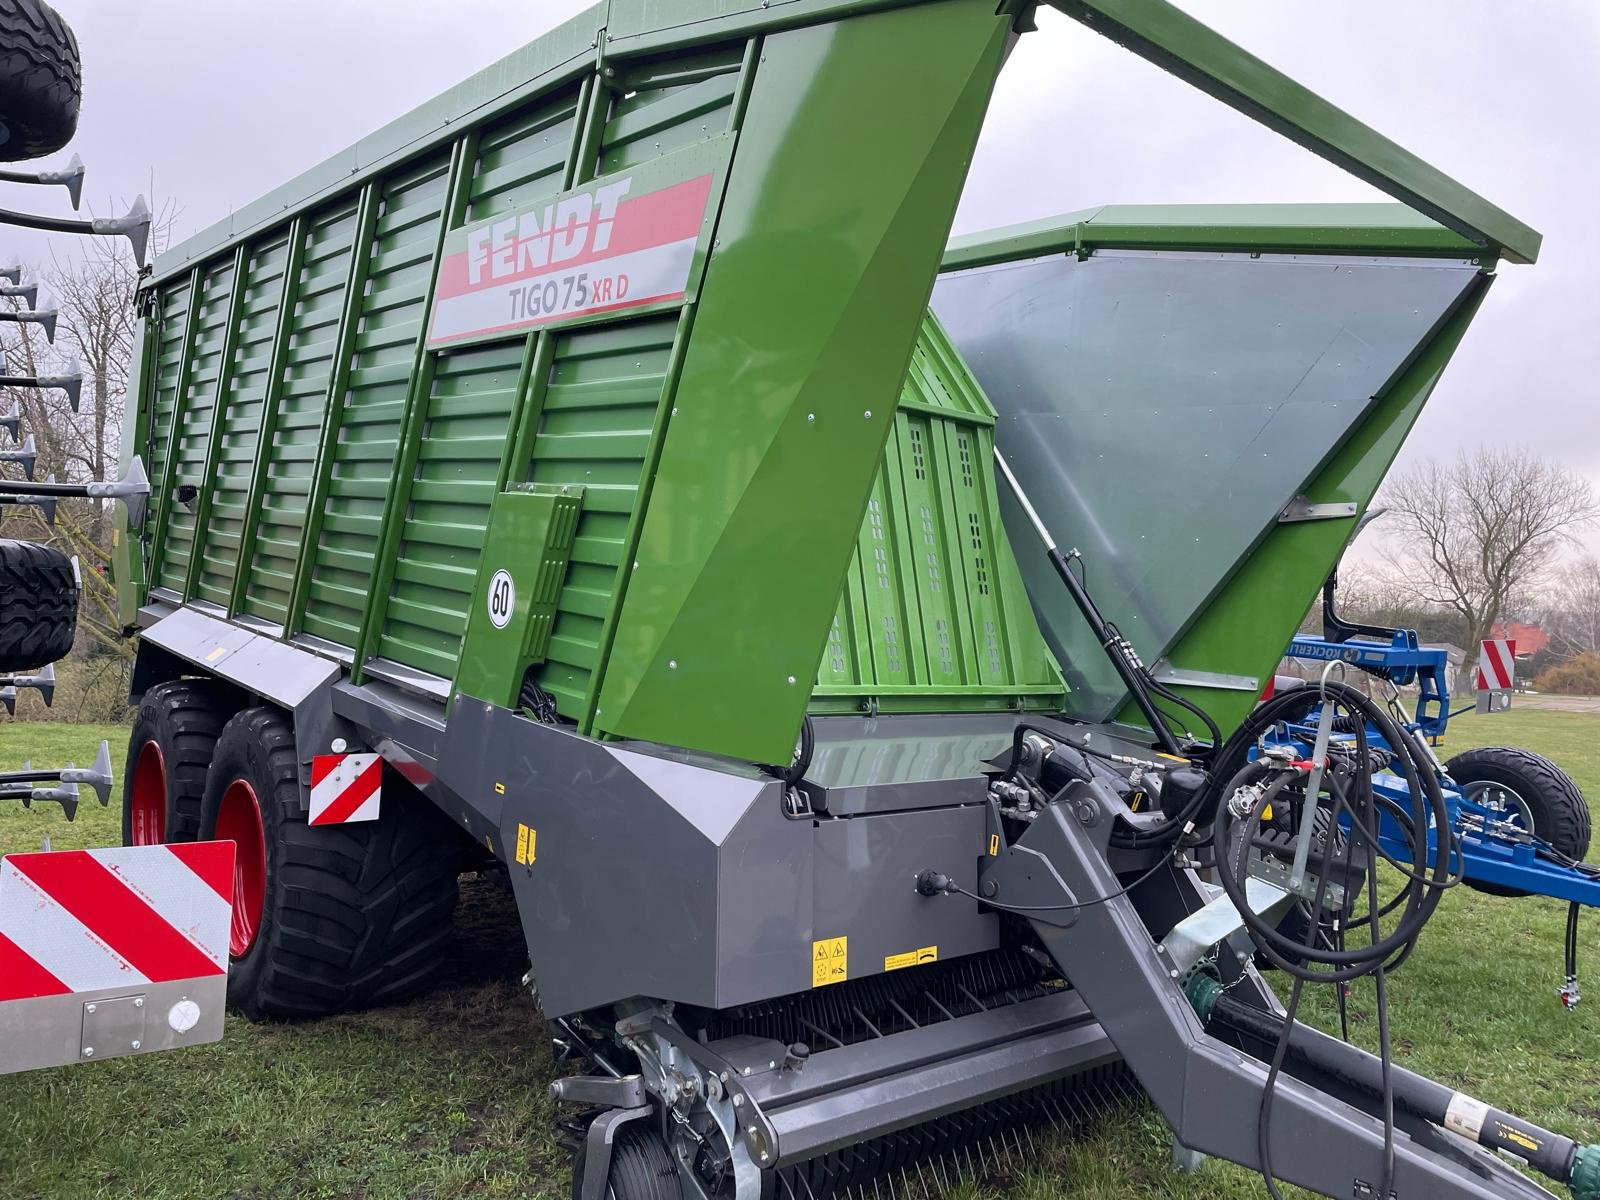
[
  {"x": 216, "y": 654},
  {"x": 526, "y": 838},
  {"x": 499, "y": 789},
  {"x": 830, "y": 961},
  {"x": 994, "y": 845},
  {"x": 911, "y": 958}
]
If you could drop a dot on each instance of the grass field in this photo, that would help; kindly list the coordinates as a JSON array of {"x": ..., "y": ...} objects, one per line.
[{"x": 445, "y": 1097}]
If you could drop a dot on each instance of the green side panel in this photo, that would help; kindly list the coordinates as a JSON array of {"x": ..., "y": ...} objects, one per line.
[
  {"x": 172, "y": 309},
  {"x": 661, "y": 109},
  {"x": 521, "y": 160},
  {"x": 308, "y": 371},
  {"x": 605, "y": 388},
  {"x": 384, "y": 350},
  {"x": 850, "y": 161},
  {"x": 234, "y": 458},
  {"x": 458, "y": 462},
  {"x": 601, "y": 400},
  {"x": 198, "y": 403},
  {"x": 934, "y": 614},
  {"x": 525, "y": 552},
  {"x": 1245, "y": 628}
]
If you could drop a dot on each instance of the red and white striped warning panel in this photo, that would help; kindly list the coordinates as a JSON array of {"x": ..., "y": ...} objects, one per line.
[
  {"x": 84, "y": 920},
  {"x": 345, "y": 788},
  {"x": 1497, "y": 664}
]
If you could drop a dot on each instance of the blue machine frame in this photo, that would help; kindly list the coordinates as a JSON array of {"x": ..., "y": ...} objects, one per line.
[{"x": 1491, "y": 845}]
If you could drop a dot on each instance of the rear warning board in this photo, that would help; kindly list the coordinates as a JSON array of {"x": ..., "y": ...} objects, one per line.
[{"x": 625, "y": 241}]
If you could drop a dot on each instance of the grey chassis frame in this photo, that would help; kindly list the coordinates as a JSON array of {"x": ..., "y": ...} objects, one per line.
[{"x": 757, "y": 871}]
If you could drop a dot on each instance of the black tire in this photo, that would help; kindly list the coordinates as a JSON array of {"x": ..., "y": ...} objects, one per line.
[
  {"x": 40, "y": 80},
  {"x": 38, "y": 604},
  {"x": 1560, "y": 813},
  {"x": 170, "y": 748},
  {"x": 642, "y": 1168},
  {"x": 350, "y": 916}
]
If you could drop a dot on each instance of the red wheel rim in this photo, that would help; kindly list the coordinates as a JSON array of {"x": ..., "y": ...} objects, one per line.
[
  {"x": 147, "y": 798},
  {"x": 239, "y": 822}
]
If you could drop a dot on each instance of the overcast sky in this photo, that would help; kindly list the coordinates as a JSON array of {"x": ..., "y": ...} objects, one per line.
[{"x": 211, "y": 103}]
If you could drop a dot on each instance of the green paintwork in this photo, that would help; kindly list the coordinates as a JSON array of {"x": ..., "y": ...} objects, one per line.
[
  {"x": 851, "y": 159},
  {"x": 382, "y": 369},
  {"x": 273, "y": 385},
  {"x": 331, "y": 430},
  {"x": 1391, "y": 229},
  {"x": 408, "y": 429},
  {"x": 530, "y": 538},
  {"x": 933, "y": 616},
  {"x": 347, "y": 472},
  {"x": 239, "y": 423},
  {"x": 206, "y": 345}
]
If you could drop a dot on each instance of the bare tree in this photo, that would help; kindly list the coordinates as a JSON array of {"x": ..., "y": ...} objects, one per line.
[
  {"x": 1573, "y": 617},
  {"x": 1479, "y": 535}
]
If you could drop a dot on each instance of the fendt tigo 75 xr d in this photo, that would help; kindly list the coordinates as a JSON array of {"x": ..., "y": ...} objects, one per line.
[{"x": 587, "y": 474}]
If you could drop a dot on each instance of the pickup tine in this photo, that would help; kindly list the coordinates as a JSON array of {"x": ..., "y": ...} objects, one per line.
[{"x": 97, "y": 776}]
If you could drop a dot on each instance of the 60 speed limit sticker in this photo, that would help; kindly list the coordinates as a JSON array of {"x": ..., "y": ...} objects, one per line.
[{"x": 502, "y": 598}]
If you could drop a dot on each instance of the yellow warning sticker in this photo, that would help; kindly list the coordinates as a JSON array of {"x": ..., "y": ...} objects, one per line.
[
  {"x": 499, "y": 789},
  {"x": 994, "y": 845},
  {"x": 526, "y": 838},
  {"x": 216, "y": 654},
  {"x": 911, "y": 958},
  {"x": 830, "y": 961}
]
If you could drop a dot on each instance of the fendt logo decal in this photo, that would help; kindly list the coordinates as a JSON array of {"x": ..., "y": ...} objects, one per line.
[
  {"x": 621, "y": 242},
  {"x": 522, "y": 245}
]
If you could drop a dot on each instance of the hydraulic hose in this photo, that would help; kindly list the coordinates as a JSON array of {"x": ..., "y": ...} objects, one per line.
[{"x": 1352, "y": 794}]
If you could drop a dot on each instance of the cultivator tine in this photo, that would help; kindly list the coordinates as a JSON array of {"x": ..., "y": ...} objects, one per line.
[
  {"x": 44, "y": 679},
  {"x": 134, "y": 225},
  {"x": 8, "y": 697},
  {"x": 97, "y": 775},
  {"x": 133, "y": 489},
  {"x": 12, "y": 421},
  {"x": 69, "y": 177},
  {"x": 27, "y": 454},
  {"x": 71, "y": 383},
  {"x": 45, "y": 504},
  {"x": 28, "y": 292},
  {"x": 43, "y": 317},
  {"x": 13, "y": 272},
  {"x": 65, "y": 794}
]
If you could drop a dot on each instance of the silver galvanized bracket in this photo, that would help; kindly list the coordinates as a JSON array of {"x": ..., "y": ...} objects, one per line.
[
  {"x": 1301, "y": 509},
  {"x": 1170, "y": 675}
]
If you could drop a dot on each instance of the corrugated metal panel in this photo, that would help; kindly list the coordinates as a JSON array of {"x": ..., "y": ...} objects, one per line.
[
  {"x": 605, "y": 387},
  {"x": 384, "y": 348},
  {"x": 520, "y": 161},
  {"x": 197, "y": 405},
  {"x": 308, "y": 370},
  {"x": 174, "y": 310},
  {"x": 606, "y": 384},
  {"x": 933, "y": 612},
  {"x": 234, "y": 458},
  {"x": 656, "y": 113},
  {"x": 457, "y": 466}
]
